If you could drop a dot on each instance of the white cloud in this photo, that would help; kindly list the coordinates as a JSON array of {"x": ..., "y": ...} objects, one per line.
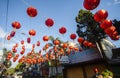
[
  {"x": 10, "y": 45},
  {"x": 2, "y": 33},
  {"x": 116, "y": 1}
]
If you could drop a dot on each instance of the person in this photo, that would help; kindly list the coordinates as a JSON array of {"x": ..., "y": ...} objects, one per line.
[
  {"x": 97, "y": 75},
  {"x": 100, "y": 76}
]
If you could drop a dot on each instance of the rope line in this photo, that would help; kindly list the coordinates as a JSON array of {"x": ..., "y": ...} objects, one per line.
[{"x": 6, "y": 21}]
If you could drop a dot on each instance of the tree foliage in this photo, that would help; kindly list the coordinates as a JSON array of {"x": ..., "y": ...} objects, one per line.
[
  {"x": 20, "y": 67},
  {"x": 116, "y": 23},
  {"x": 87, "y": 27},
  {"x": 106, "y": 73},
  {"x": 10, "y": 71},
  {"x": 6, "y": 62}
]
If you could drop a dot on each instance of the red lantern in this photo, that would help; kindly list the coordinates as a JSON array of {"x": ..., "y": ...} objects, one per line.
[
  {"x": 23, "y": 47},
  {"x": 12, "y": 34},
  {"x": 32, "y": 32},
  {"x": 31, "y": 11},
  {"x": 45, "y": 38},
  {"x": 85, "y": 43},
  {"x": 8, "y": 37},
  {"x": 90, "y": 4},
  {"x": 28, "y": 40},
  {"x": 110, "y": 30},
  {"x": 80, "y": 39},
  {"x": 16, "y": 25},
  {"x": 47, "y": 46},
  {"x": 73, "y": 36},
  {"x": 22, "y": 52},
  {"x": 62, "y": 30},
  {"x": 56, "y": 42},
  {"x": 17, "y": 55},
  {"x": 100, "y": 15},
  {"x": 90, "y": 44},
  {"x": 115, "y": 33},
  {"x": 49, "y": 22},
  {"x": 115, "y": 37},
  {"x": 38, "y": 43},
  {"x": 65, "y": 45},
  {"x": 22, "y": 42},
  {"x": 14, "y": 50},
  {"x": 76, "y": 49},
  {"x": 105, "y": 24}
]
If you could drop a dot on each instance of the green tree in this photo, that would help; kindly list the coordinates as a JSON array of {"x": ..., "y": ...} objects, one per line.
[
  {"x": 107, "y": 73},
  {"x": 90, "y": 30},
  {"x": 87, "y": 27},
  {"x": 6, "y": 62},
  {"x": 10, "y": 71},
  {"x": 116, "y": 23},
  {"x": 20, "y": 67}
]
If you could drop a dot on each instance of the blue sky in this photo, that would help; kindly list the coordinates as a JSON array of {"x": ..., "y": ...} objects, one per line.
[{"x": 63, "y": 12}]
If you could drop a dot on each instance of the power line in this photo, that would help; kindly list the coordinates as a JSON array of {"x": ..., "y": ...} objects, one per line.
[{"x": 6, "y": 20}]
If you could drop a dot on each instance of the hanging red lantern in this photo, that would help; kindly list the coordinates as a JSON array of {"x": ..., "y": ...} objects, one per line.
[
  {"x": 115, "y": 37},
  {"x": 23, "y": 47},
  {"x": 85, "y": 43},
  {"x": 105, "y": 24},
  {"x": 22, "y": 52},
  {"x": 32, "y": 32},
  {"x": 115, "y": 33},
  {"x": 38, "y": 43},
  {"x": 47, "y": 46},
  {"x": 22, "y": 42},
  {"x": 12, "y": 34},
  {"x": 90, "y": 4},
  {"x": 65, "y": 45},
  {"x": 8, "y": 37},
  {"x": 28, "y": 40},
  {"x": 73, "y": 36},
  {"x": 49, "y": 22},
  {"x": 31, "y": 11},
  {"x": 80, "y": 39},
  {"x": 16, "y": 25},
  {"x": 71, "y": 47},
  {"x": 76, "y": 49},
  {"x": 100, "y": 15},
  {"x": 17, "y": 55},
  {"x": 56, "y": 42},
  {"x": 90, "y": 44},
  {"x": 45, "y": 38},
  {"x": 62, "y": 30},
  {"x": 110, "y": 30},
  {"x": 14, "y": 50}
]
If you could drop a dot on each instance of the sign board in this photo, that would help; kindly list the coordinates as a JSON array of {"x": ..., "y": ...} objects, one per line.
[
  {"x": 63, "y": 59},
  {"x": 85, "y": 55}
]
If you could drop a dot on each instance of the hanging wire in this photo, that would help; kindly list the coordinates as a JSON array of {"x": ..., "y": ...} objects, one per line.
[
  {"x": 25, "y": 3},
  {"x": 6, "y": 21}
]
